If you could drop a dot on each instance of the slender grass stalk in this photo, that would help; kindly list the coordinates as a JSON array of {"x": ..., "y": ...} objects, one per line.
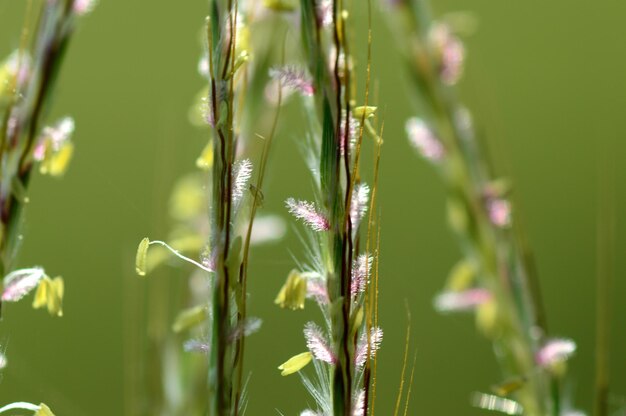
[
  {"x": 27, "y": 80},
  {"x": 236, "y": 70},
  {"x": 605, "y": 258},
  {"x": 336, "y": 275},
  {"x": 31, "y": 75},
  {"x": 495, "y": 277}
]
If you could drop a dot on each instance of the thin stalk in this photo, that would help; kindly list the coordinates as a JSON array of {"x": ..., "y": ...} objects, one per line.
[
  {"x": 25, "y": 113},
  {"x": 604, "y": 273},
  {"x": 503, "y": 266},
  {"x": 243, "y": 279},
  {"x": 220, "y": 371}
]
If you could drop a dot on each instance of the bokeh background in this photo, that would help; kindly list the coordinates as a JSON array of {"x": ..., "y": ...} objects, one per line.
[{"x": 545, "y": 82}]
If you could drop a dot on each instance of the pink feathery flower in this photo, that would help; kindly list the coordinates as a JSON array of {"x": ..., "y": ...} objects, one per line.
[
  {"x": 82, "y": 7},
  {"x": 204, "y": 67},
  {"x": 291, "y": 76},
  {"x": 267, "y": 229},
  {"x": 309, "y": 412},
  {"x": 248, "y": 327},
  {"x": 207, "y": 110},
  {"x": 424, "y": 140},
  {"x": 353, "y": 128},
  {"x": 361, "y": 356},
  {"x": 60, "y": 132},
  {"x": 499, "y": 211},
  {"x": 308, "y": 213},
  {"x": 361, "y": 268},
  {"x": 316, "y": 289},
  {"x": 196, "y": 345},
  {"x": 555, "y": 350},
  {"x": 19, "y": 64},
  {"x": 451, "y": 53},
  {"x": 358, "y": 206},
  {"x": 208, "y": 258},
  {"x": 461, "y": 301},
  {"x": 324, "y": 10},
  {"x": 358, "y": 408},
  {"x": 317, "y": 344},
  {"x": 20, "y": 283},
  {"x": 572, "y": 412}
]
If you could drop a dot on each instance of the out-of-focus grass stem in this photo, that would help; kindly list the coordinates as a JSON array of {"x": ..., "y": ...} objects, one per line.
[{"x": 604, "y": 274}]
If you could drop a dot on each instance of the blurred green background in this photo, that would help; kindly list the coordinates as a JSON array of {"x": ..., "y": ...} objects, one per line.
[{"x": 545, "y": 83}]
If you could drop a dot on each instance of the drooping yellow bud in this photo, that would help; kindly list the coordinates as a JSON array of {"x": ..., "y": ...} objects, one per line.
[
  {"x": 50, "y": 294},
  {"x": 293, "y": 292},
  {"x": 295, "y": 363},
  {"x": 457, "y": 216},
  {"x": 280, "y": 5},
  {"x": 43, "y": 411},
  {"x": 42, "y": 293},
  {"x": 461, "y": 276},
  {"x": 205, "y": 160},
  {"x": 56, "y": 163},
  {"x": 140, "y": 259},
  {"x": 188, "y": 199},
  {"x": 55, "y": 296},
  {"x": 243, "y": 57},
  {"x": 486, "y": 318},
  {"x": 364, "y": 111},
  {"x": 558, "y": 368},
  {"x": 509, "y": 386},
  {"x": 189, "y": 318}
]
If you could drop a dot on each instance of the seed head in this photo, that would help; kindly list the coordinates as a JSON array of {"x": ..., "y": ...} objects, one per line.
[
  {"x": 318, "y": 345},
  {"x": 20, "y": 283},
  {"x": 461, "y": 301},
  {"x": 499, "y": 211},
  {"x": 555, "y": 351},
  {"x": 308, "y": 213},
  {"x": 361, "y": 268},
  {"x": 424, "y": 140},
  {"x": 242, "y": 172},
  {"x": 294, "y": 78},
  {"x": 358, "y": 408},
  {"x": 316, "y": 288},
  {"x": 83, "y": 7},
  {"x": 375, "y": 339},
  {"x": 324, "y": 9},
  {"x": 450, "y": 51}
]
